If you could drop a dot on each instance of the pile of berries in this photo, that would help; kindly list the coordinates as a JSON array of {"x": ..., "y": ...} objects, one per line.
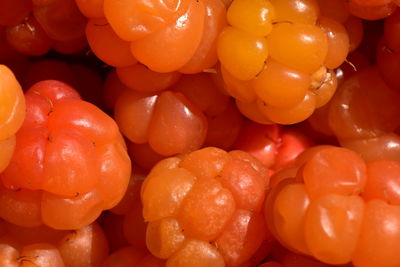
[{"x": 199, "y": 133}]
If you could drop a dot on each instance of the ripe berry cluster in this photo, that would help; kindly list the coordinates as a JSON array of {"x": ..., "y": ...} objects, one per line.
[{"x": 199, "y": 133}]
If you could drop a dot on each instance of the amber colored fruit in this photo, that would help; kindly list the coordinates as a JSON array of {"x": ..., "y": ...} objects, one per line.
[
  {"x": 280, "y": 86},
  {"x": 133, "y": 20},
  {"x": 326, "y": 86},
  {"x": 333, "y": 226},
  {"x": 106, "y": 45},
  {"x": 164, "y": 237},
  {"x": 87, "y": 246},
  {"x": 286, "y": 225},
  {"x": 338, "y": 42},
  {"x": 41, "y": 254},
  {"x": 196, "y": 253},
  {"x": 240, "y": 90},
  {"x": 330, "y": 171},
  {"x": 21, "y": 207},
  {"x": 9, "y": 251},
  {"x": 379, "y": 233},
  {"x": 242, "y": 54},
  {"x": 204, "y": 208},
  {"x": 7, "y": 149},
  {"x": 254, "y": 17},
  {"x": 173, "y": 45},
  {"x": 223, "y": 118},
  {"x": 371, "y": 12},
  {"x": 83, "y": 149},
  {"x": 197, "y": 219},
  {"x": 178, "y": 115},
  {"x": 296, "y": 11},
  {"x": 12, "y": 114},
  {"x": 239, "y": 236},
  {"x": 340, "y": 220},
  {"x": 300, "y": 46},
  {"x": 205, "y": 56},
  {"x": 61, "y": 20},
  {"x": 383, "y": 147},
  {"x": 91, "y": 8},
  {"x": 132, "y": 108},
  {"x": 290, "y": 115},
  {"x": 382, "y": 181},
  {"x": 29, "y": 38},
  {"x": 140, "y": 78},
  {"x": 349, "y": 116},
  {"x": 251, "y": 111},
  {"x": 174, "y": 109}
]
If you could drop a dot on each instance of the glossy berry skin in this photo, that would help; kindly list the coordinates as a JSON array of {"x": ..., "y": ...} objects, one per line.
[
  {"x": 242, "y": 47},
  {"x": 34, "y": 27},
  {"x": 172, "y": 47},
  {"x": 167, "y": 36},
  {"x": 204, "y": 208},
  {"x": 179, "y": 117},
  {"x": 45, "y": 246},
  {"x": 371, "y": 10},
  {"x": 53, "y": 15},
  {"x": 205, "y": 56},
  {"x": 134, "y": 20},
  {"x": 358, "y": 119},
  {"x": 140, "y": 118},
  {"x": 29, "y": 38},
  {"x": 102, "y": 39},
  {"x": 91, "y": 8},
  {"x": 63, "y": 161},
  {"x": 12, "y": 114},
  {"x": 87, "y": 246},
  {"x": 343, "y": 208},
  {"x": 277, "y": 65},
  {"x": 275, "y": 146},
  {"x": 308, "y": 55},
  {"x": 140, "y": 78}
]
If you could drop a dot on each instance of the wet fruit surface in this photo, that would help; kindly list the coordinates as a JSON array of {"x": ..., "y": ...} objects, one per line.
[
  {"x": 63, "y": 158},
  {"x": 191, "y": 133}
]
